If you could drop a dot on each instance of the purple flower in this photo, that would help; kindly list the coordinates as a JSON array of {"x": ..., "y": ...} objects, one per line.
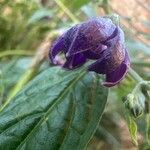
[{"x": 99, "y": 40}]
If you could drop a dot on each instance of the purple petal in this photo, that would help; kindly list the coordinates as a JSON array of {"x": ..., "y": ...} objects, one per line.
[
  {"x": 115, "y": 32},
  {"x": 74, "y": 61},
  {"x": 116, "y": 51},
  {"x": 57, "y": 47},
  {"x": 87, "y": 35},
  {"x": 100, "y": 66},
  {"x": 96, "y": 53},
  {"x": 116, "y": 76},
  {"x": 98, "y": 29}
]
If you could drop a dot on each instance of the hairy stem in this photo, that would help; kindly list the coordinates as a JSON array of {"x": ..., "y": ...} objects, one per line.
[{"x": 135, "y": 75}]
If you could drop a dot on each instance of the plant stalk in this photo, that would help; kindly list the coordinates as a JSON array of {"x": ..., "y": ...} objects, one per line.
[{"x": 16, "y": 52}]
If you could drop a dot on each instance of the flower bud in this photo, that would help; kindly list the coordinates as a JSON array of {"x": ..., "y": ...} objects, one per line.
[{"x": 135, "y": 103}]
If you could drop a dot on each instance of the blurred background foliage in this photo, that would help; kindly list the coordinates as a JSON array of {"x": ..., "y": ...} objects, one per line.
[{"x": 28, "y": 27}]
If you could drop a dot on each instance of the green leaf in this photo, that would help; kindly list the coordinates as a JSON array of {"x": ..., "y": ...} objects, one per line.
[
  {"x": 10, "y": 73},
  {"x": 40, "y": 14},
  {"x": 13, "y": 69},
  {"x": 57, "y": 110}
]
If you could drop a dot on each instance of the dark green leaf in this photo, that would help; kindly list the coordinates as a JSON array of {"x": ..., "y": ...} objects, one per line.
[
  {"x": 13, "y": 69},
  {"x": 57, "y": 110},
  {"x": 10, "y": 73}
]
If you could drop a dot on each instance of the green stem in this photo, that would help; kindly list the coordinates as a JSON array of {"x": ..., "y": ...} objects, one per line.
[
  {"x": 134, "y": 75},
  {"x": 67, "y": 11},
  {"x": 106, "y": 7},
  {"x": 16, "y": 52}
]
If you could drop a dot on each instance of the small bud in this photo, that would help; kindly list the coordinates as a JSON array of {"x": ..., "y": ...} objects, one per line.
[
  {"x": 137, "y": 111},
  {"x": 134, "y": 106},
  {"x": 129, "y": 101}
]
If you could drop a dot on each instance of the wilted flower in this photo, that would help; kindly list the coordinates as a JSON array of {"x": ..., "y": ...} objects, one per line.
[{"x": 97, "y": 39}]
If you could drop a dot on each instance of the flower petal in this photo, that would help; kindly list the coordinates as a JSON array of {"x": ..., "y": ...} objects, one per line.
[
  {"x": 116, "y": 50},
  {"x": 57, "y": 47},
  {"x": 116, "y": 76},
  {"x": 74, "y": 61},
  {"x": 96, "y": 53},
  {"x": 98, "y": 66},
  {"x": 86, "y": 36}
]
